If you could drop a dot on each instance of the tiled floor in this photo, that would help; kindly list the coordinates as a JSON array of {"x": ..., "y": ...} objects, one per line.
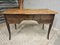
[{"x": 28, "y": 33}]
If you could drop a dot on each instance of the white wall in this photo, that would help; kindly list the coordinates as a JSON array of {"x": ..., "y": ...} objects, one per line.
[{"x": 50, "y": 4}]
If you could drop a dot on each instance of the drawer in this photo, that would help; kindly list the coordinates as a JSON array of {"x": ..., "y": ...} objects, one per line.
[
  {"x": 11, "y": 19},
  {"x": 36, "y": 17},
  {"x": 46, "y": 18},
  {"x": 25, "y": 17},
  {"x": 46, "y": 21},
  {"x": 29, "y": 17}
]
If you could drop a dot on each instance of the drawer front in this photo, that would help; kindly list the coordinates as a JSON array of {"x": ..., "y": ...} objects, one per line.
[
  {"x": 36, "y": 17},
  {"x": 11, "y": 19},
  {"x": 46, "y": 21},
  {"x": 25, "y": 17},
  {"x": 46, "y": 18},
  {"x": 30, "y": 17}
]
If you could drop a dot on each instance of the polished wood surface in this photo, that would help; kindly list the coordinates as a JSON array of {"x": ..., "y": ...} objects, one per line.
[{"x": 28, "y": 11}]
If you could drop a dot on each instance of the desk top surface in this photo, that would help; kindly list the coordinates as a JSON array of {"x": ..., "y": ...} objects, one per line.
[{"x": 28, "y": 11}]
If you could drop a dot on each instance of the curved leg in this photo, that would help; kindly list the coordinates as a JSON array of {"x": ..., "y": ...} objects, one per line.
[
  {"x": 8, "y": 27},
  {"x": 49, "y": 31},
  {"x": 9, "y": 31},
  {"x": 50, "y": 26}
]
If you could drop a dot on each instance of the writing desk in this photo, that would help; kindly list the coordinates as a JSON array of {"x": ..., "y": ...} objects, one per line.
[{"x": 14, "y": 16}]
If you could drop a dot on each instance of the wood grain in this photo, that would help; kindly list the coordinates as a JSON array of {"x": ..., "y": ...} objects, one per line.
[{"x": 28, "y": 11}]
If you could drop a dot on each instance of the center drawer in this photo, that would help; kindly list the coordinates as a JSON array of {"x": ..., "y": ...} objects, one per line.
[{"x": 25, "y": 17}]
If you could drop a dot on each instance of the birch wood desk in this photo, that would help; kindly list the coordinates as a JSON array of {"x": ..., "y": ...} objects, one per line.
[{"x": 14, "y": 16}]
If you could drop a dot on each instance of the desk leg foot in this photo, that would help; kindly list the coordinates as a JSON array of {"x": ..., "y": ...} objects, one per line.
[
  {"x": 49, "y": 31},
  {"x": 43, "y": 27}
]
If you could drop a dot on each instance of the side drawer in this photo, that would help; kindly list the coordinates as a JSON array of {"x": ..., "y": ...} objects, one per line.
[
  {"x": 12, "y": 19},
  {"x": 46, "y": 18}
]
